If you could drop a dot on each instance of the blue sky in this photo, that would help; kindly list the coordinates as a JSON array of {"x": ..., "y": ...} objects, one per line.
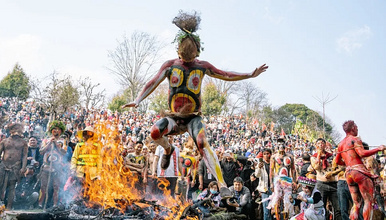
[{"x": 312, "y": 47}]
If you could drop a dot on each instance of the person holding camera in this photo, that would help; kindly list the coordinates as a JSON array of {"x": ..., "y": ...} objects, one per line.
[
  {"x": 240, "y": 202},
  {"x": 262, "y": 172}
]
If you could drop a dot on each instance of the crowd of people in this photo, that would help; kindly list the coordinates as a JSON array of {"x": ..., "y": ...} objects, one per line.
[{"x": 45, "y": 163}]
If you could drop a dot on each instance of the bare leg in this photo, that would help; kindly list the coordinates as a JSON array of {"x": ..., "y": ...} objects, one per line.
[
  {"x": 11, "y": 193},
  {"x": 160, "y": 129},
  {"x": 197, "y": 132},
  {"x": 366, "y": 188}
]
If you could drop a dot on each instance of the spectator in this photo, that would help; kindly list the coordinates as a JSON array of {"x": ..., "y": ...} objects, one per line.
[{"x": 241, "y": 200}]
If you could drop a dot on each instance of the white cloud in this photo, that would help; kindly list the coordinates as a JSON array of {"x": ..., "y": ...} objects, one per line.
[
  {"x": 353, "y": 40},
  {"x": 23, "y": 49}
]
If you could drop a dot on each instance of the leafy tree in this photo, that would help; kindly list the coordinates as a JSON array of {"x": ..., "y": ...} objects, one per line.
[
  {"x": 159, "y": 99},
  {"x": 56, "y": 94},
  {"x": 117, "y": 102},
  {"x": 212, "y": 100},
  {"x": 68, "y": 95},
  {"x": 15, "y": 84},
  {"x": 288, "y": 114}
]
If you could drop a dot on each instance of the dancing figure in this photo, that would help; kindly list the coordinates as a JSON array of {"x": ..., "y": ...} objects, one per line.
[
  {"x": 359, "y": 179},
  {"x": 185, "y": 75}
]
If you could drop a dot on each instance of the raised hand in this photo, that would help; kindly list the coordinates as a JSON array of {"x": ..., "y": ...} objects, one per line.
[{"x": 259, "y": 70}]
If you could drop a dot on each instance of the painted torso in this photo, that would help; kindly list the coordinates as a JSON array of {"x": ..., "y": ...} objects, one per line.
[
  {"x": 282, "y": 164},
  {"x": 185, "y": 81},
  {"x": 349, "y": 154}
]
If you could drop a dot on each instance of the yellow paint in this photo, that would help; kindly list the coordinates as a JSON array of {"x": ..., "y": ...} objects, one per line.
[
  {"x": 191, "y": 76},
  {"x": 179, "y": 74},
  {"x": 183, "y": 95}
]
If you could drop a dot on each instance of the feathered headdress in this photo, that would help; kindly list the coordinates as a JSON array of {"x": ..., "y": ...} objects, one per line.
[{"x": 307, "y": 181}]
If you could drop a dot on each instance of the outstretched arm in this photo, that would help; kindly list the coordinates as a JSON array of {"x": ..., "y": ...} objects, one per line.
[
  {"x": 151, "y": 85},
  {"x": 232, "y": 76},
  {"x": 366, "y": 153}
]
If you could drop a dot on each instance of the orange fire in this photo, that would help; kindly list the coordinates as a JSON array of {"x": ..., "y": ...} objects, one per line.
[{"x": 116, "y": 185}]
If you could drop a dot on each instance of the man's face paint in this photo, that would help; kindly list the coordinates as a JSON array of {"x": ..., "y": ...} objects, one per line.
[{"x": 56, "y": 132}]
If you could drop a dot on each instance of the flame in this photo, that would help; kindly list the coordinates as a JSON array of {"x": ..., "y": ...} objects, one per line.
[{"x": 116, "y": 186}]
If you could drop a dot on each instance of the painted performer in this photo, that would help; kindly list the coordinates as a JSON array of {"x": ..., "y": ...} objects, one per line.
[
  {"x": 359, "y": 179},
  {"x": 185, "y": 75}
]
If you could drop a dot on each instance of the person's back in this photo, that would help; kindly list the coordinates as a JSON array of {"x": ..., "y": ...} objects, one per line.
[{"x": 349, "y": 148}]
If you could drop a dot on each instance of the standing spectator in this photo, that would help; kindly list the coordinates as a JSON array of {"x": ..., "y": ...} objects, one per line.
[
  {"x": 229, "y": 167},
  {"x": 306, "y": 168},
  {"x": 34, "y": 158},
  {"x": 264, "y": 187},
  {"x": 204, "y": 176},
  {"x": 52, "y": 168},
  {"x": 13, "y": 162},
  {"x": 137, "y": 163},
  {"x": 326, "y": 182},
  {"x": 171, "y": 173}
]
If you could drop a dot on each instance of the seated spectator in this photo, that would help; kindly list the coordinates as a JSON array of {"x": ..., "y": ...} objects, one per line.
[
  {"x": 241, "y": 200},
  {"x": 209, "y": 199},
  {"x": 310, "y": 199},
  {"x": 26, "y": 195}
]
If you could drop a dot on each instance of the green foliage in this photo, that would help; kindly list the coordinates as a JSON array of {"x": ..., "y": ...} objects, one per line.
[
  {"x": 57, "y": 95},
  {"x": 117, "y": 102},
  {"x": 15, "y": 84},
  {"x": 289, "y": 114},
  {"x": 57, "y": 124},
  {"x": 68, "y": 95},
  {"x": 159, "y": 99},
  {"x": 212, "y": 100}
]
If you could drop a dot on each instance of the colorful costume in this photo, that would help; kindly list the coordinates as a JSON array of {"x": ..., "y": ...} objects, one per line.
[{"x": 312, "y": 209}]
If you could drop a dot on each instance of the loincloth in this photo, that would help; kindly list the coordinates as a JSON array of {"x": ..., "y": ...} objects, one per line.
[
  {"x": 11, "y": 173},
  {"x": 180, "y": 115},
  {"x": 362, "y": 169}
]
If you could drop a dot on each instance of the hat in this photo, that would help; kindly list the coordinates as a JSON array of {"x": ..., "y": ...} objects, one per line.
[
  {"x": 281, "y": 140},
  {"x": 88, "y": 128},
  {"x": 226, "y": 154},
  {"x": 307, "y": 181}
]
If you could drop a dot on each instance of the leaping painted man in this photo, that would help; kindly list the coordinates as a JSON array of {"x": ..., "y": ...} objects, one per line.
[{"x": 185, "y": 75}]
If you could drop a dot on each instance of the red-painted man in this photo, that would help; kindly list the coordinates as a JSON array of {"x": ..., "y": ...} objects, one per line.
[
  {"x": 359, "y": 179},
  {"x": 185, "y": 75}
]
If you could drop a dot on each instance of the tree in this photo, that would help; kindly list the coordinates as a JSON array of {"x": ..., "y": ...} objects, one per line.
[
  {"x": 212, "y": 100},
  {"x": 225, "y": 88},
  {"x": 68, "y": 95},
  {"x": 90, "y": 98},
  {"x": 159, "y": 99},
  {"x": 15, "y": 84},
  {"x": 250, "y": 99},
  {"x": 288, "y": 115},
  {"x": 133, "y": 61},
  {"x": 57, "y": 95},
  {"x": 117, "y": 102}
]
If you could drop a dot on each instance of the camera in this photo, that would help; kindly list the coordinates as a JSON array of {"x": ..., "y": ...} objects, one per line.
[{"x": 232, "y": 200}]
